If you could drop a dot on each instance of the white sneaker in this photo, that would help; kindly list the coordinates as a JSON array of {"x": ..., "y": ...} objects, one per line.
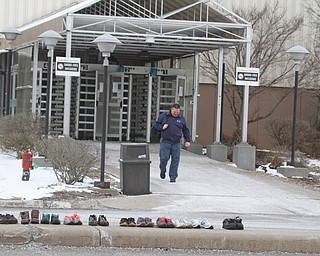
[
  {"x": 195, "y": 223},
  {"x": 187, "y": 222},
  {"x": 179, "y": 223},
  {"x": 205, "y": 224}
]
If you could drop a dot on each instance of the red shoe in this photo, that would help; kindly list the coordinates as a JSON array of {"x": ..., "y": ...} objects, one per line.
[
  {"x": 161, "y": 222},
  {"x": 169, "y": 223}
]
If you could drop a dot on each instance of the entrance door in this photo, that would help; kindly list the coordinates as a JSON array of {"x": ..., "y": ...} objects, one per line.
[{"x": 118, "y": 107}]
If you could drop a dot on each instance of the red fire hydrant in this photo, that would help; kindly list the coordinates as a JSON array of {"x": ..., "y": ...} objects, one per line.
[{"x": 26, "y": 164}]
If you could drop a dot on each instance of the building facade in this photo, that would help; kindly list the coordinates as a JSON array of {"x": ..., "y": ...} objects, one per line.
[{"x": 166, "y": 70}]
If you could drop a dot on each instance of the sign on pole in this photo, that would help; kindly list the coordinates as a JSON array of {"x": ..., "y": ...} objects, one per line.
[
  {"x": 67, "y": 66},
  {"x": 247, "y": 76}
]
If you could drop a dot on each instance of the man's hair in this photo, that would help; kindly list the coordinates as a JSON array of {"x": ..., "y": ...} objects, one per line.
[{"x": 175, "y": 105}]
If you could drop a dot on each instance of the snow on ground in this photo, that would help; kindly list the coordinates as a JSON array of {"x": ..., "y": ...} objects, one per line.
[{"x": 43, "y": 182}]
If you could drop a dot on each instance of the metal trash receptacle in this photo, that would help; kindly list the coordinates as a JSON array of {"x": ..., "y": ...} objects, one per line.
[{"x": 135, "y": 168}]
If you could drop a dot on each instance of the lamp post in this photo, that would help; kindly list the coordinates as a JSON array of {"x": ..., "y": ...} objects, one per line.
[
  {"x": 50, "y": 38},
  {"x": 106, "y": 44},
  {"x": 10, "y": 34},
  {"x": 297, "y": 53}
]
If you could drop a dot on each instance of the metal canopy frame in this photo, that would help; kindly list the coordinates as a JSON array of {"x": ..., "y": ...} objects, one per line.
[{"x": 155, "y": 29}]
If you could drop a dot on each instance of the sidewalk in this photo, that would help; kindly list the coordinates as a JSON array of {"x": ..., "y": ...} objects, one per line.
[{"x": 277, "y": 216}]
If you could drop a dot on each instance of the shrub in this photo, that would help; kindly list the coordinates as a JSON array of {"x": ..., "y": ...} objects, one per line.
[
  {"x": 281, "y": 132},
  {"x": 20, "y": 132},
  {"x": 72, "y": 160}
]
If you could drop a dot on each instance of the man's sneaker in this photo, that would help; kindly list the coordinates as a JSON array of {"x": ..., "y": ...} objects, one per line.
[
  {"x": 35, "y": 214},
  {"x": 235, "y": 223},
  {"x": 45, "y": 218},
  {"x": 102, "y": 221},
  {"x": 161, "y": 222},
  {"x": 4, "y": 219},
  {"x": 24, "y": 217},
  {"x": 195, "y": 223},
  {"x": 12, "y": 219},
  {"x": 55, "y": 219},
  {"x": 123, "y": 222},
  {"x": 169, "y": 223},
  {"x": 205, "y": 224},
  {"x": 76, "y": 219},
  {"x": 93, "y": 220},
  {"x": 239, "y": 224},
  {"x": 187, "y": 222},
  {"x": 179, "y": 223},
  {"x": 172, "y": 180},
  {"x": 131, "y": 222},
  {"x": 8, "y": 219},
  {"x": 162, "y": 175},
  {"x": 68, "y": 220},
  {"x": 141, "y": 222},
  {"x": 149, "y": 222}
]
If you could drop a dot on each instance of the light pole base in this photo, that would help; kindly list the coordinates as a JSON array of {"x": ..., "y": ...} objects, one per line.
[
  {"x": 99, "y": 184},
  {"x": 196, "y": 148},
  {"x": 218, "y": 152},
  {"x": 244, "y": 156},
  {"x": 293, "y": 171}
]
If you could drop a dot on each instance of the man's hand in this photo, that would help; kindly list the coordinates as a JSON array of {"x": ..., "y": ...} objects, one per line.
[
  {"x": 165, "y": 126},
  {"x": 187, "y": 144}
]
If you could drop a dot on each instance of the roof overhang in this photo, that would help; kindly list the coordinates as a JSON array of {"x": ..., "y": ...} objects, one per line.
[{"x": 177, "y": 28}]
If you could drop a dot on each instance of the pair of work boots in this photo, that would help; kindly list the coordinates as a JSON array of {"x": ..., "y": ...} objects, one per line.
[{"x": 25, "y": 217}]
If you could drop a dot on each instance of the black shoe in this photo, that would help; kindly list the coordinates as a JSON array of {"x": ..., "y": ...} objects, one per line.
[
  {"x": 93, "y": 220},
  {"x": 102, "y": 221},
  {"x": 235, "y": 223},
  {"x": 162, "y": 175},
  {"x": 124, "y": 222},
  {"x": 172, "y": 180},
  {"x": 131, "y": 222}
]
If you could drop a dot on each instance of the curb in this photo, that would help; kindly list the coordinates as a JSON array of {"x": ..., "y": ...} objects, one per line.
[{"x": 216, "y": 239}]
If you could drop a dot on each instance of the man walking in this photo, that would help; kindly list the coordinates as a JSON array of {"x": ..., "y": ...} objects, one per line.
[{"x": 172, "y": 126}]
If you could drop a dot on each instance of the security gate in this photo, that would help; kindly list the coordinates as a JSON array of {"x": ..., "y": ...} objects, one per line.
[{"x": 127, "y": 103}]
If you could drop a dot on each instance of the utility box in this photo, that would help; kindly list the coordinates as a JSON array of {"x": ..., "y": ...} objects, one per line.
[{"x": 135, "y": 168}]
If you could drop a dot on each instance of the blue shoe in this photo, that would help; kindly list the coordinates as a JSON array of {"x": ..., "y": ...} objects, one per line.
[
  {"x": 55, "y": 219},
  {"x": 45, "y": 218}
]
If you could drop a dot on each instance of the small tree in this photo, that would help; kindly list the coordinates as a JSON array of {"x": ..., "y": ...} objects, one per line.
[{"x": 71, "y": 159}]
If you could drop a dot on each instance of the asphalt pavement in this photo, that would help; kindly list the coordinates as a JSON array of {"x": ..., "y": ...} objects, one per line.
[{"x": 277, "y": 215}]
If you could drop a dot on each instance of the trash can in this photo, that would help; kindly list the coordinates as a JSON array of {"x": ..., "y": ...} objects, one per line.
[{"x": 135, "y": 168}]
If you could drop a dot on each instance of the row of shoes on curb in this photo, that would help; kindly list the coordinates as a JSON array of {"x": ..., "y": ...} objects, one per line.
[
  {"x": 164, "y": 222},
  {"x": 34, "y": 218},
  {"x": 161, "y": 222}
]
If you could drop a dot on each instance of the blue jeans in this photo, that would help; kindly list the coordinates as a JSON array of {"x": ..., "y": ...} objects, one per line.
[{"x": 166, "y": 150}]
